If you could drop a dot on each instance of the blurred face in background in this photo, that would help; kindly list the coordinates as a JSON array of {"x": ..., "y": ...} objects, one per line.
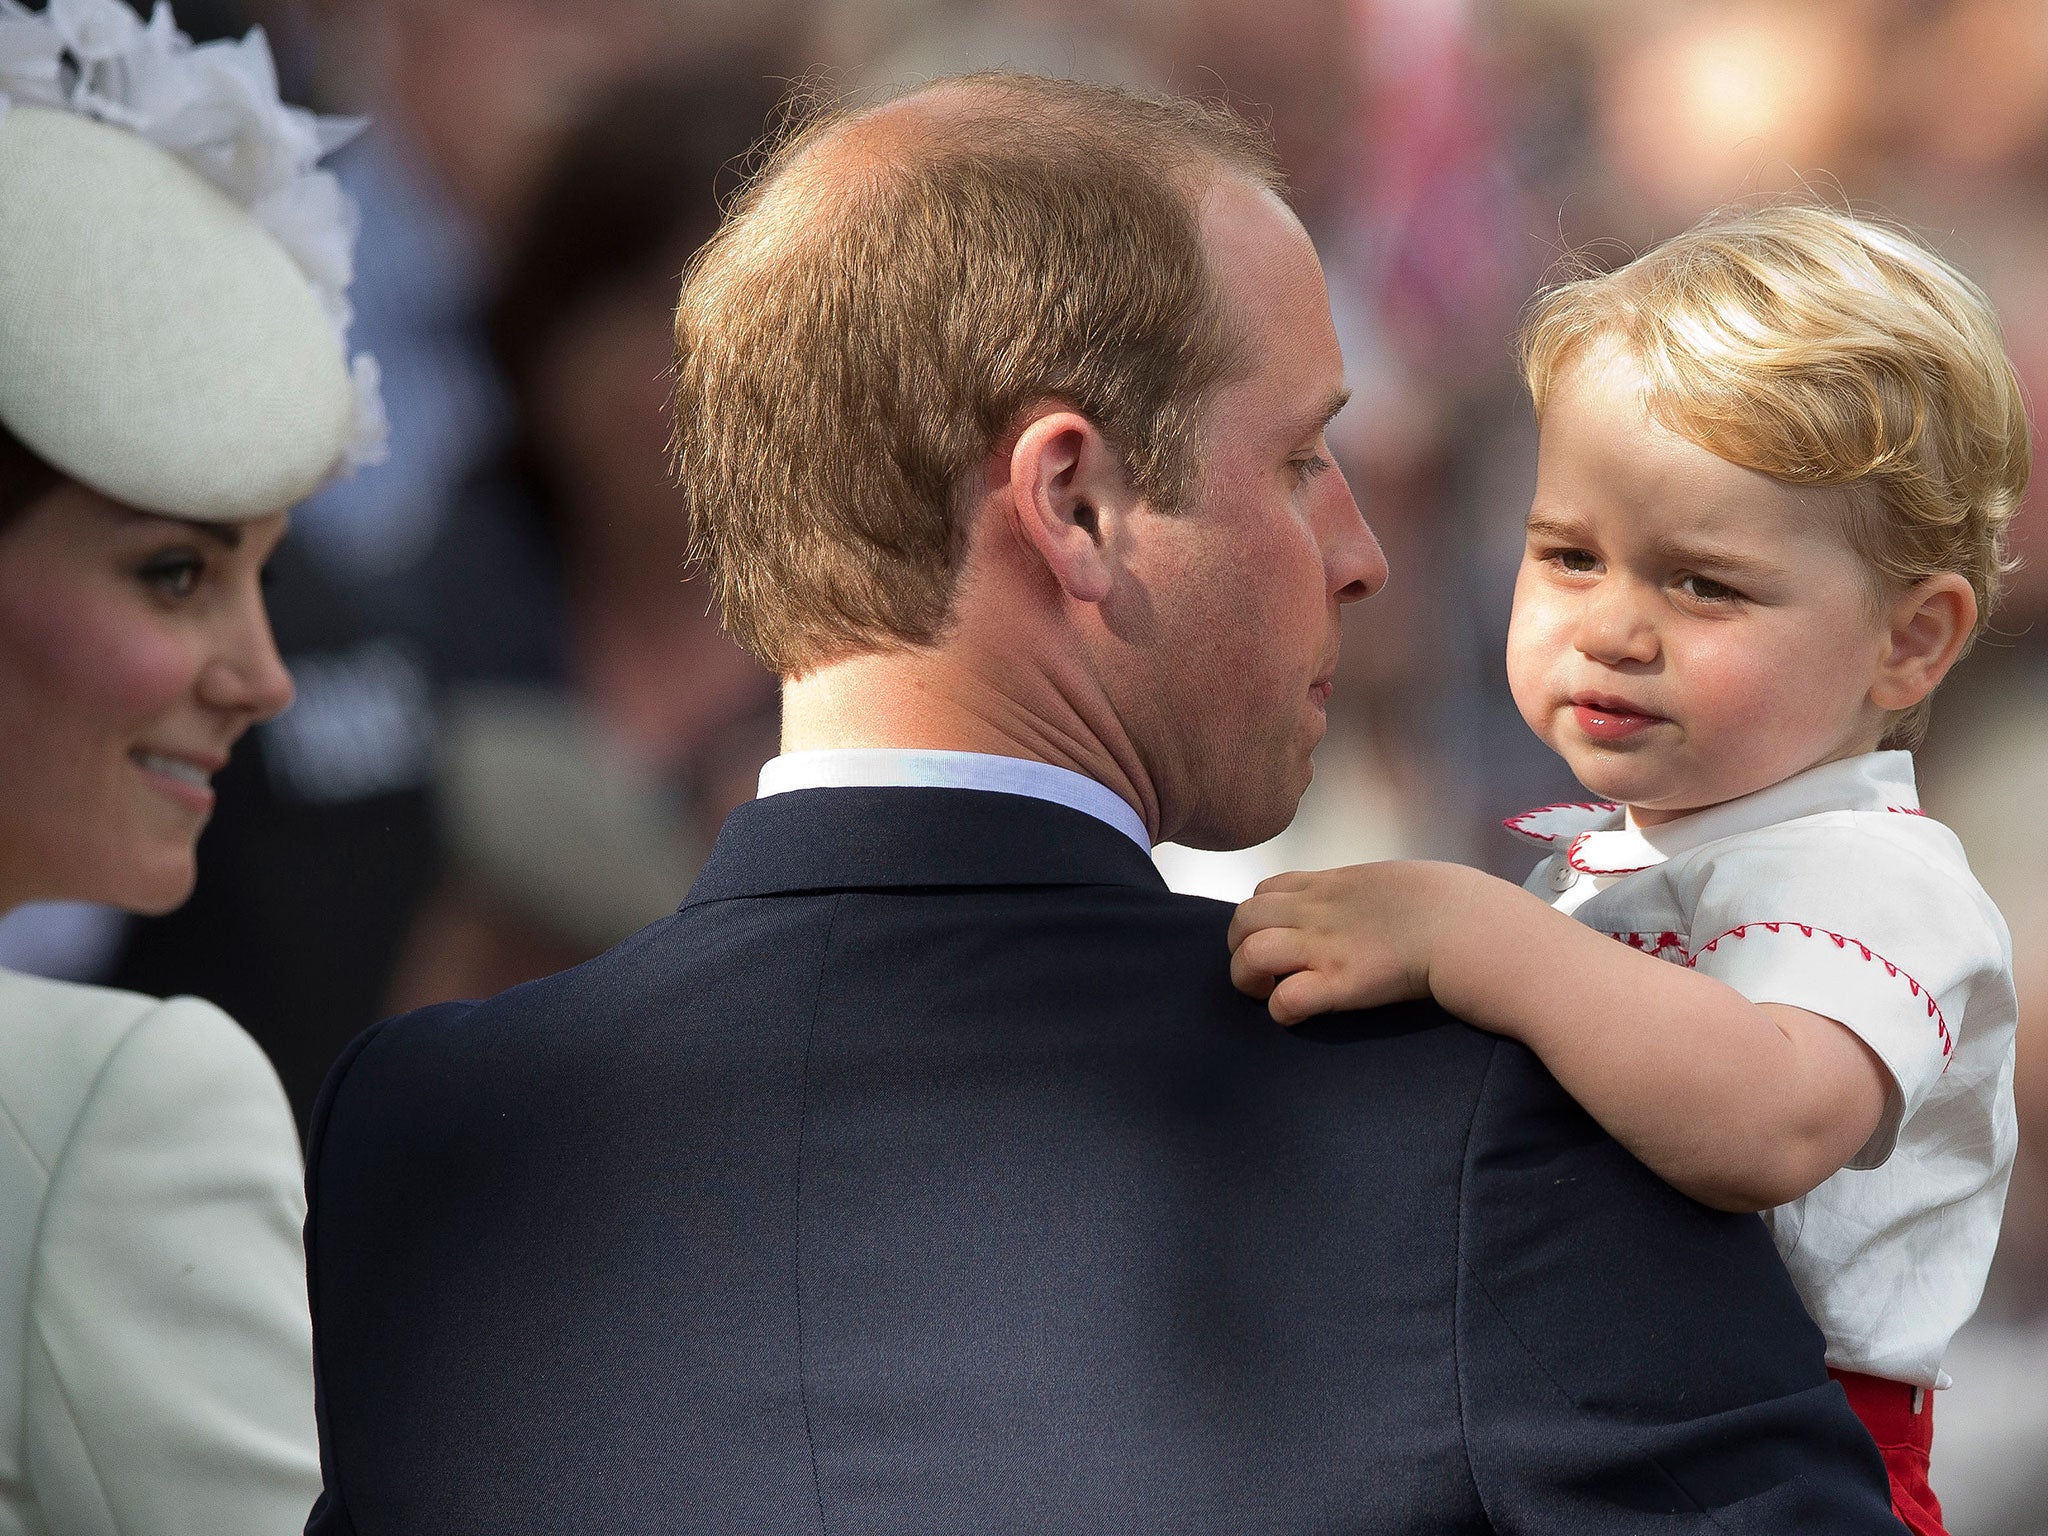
[
  {"x": 1300, "y": 60},
  {"x": 134, "y": 652},
  {"x": 599, "y": 404},
  {"x": 484, "y": 88}
]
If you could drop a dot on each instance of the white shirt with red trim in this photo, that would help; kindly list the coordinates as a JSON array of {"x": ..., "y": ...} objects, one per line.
[{"x": 1835, "y": 893}]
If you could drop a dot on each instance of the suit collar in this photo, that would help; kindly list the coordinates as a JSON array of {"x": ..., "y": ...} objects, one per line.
[
  {"x": 922, "y": 768},
  {"x": 852, "y": 839}
]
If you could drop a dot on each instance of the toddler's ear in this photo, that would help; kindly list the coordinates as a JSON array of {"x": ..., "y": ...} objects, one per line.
[{"x": 1929, "y": 625}]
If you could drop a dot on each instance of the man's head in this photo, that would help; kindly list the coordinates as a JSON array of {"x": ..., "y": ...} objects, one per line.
[{"x": 1060, "y": 310}]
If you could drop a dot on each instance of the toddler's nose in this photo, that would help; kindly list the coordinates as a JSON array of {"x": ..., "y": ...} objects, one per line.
[{"x": 1615, "y": 626}]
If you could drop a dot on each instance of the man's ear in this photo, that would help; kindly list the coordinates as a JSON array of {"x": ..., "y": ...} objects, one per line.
[
  {"x": 1069, "y": 493},
  {"x": 1929, "y": 625}
]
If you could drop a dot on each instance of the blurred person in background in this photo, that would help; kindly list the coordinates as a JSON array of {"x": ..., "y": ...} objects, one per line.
[
  {"x": 598, "y": 731},
  {"x": 328, "y": 838},
  {"x": 173, "y": 377}
]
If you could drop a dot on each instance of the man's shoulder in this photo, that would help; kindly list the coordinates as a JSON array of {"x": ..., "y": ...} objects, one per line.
[{"x": 1149, "y": 962}]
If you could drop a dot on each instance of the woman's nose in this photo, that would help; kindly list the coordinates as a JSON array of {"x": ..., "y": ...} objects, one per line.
[{"x": 245, "y": 674}]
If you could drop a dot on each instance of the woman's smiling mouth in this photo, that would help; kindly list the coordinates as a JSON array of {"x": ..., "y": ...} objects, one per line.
[{"x": 182, "y": 778}]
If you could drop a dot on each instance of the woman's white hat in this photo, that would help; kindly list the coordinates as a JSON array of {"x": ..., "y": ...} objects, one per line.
[{"x": 173, "y": 268}]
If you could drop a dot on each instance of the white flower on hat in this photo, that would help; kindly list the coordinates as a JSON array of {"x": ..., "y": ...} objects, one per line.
[
  {"x": 30, "y": 55},
  {"x": 370, "y": 429},
  {"x": 95, "y": 30},
  {"x": 216, "y": 107}
]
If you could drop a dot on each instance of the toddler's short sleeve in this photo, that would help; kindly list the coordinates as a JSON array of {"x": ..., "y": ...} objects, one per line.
[{"x": 1872, "y": 920}]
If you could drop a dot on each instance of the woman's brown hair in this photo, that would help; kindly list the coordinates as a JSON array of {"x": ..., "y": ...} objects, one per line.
[{"x": 24, "y": 478}]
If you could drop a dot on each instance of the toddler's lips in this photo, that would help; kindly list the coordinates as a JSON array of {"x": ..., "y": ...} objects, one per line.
[{"x": 1604, "y": 722}]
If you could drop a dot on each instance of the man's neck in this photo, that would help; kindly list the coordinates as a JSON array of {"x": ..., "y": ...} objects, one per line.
[{"x": 935, "y": 700}]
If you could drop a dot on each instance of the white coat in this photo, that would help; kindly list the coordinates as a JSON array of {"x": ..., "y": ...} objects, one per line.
[{"x": 155, "y": 1354}]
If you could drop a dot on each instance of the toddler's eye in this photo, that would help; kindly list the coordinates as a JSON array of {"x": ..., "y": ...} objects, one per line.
[
  {"x": 1704, "y": 589},
  {"x": 1580, "y": 562},
  {"x": 173, "y": 573}
]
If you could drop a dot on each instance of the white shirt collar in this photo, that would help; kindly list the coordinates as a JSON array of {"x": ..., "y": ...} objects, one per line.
[
  {"x": 916, "y": 768},
  {"x": 1600, "y": 839}
]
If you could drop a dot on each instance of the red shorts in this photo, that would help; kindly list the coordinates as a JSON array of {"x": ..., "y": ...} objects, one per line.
[{"x": 1901, "y": 1420}]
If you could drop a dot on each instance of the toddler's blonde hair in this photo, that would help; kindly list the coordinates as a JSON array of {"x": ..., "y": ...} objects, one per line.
[{"x": 1826, "y": 350}]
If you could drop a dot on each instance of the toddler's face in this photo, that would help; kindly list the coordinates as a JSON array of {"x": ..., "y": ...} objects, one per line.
[{"x": 1685, "y": 631}]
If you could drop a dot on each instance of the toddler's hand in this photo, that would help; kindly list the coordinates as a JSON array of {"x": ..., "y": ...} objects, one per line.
[{"x": 1308, "y": 943}]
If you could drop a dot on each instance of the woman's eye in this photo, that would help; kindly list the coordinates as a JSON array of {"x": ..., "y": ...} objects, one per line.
[
  {"x": 175, "y": 573},
  {"x": 1704, "y": 589}
]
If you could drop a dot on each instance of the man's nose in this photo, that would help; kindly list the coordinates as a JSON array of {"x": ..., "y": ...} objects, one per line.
[
  {"x": 1615, "y": 625},
  {"x": 1352, "y": 556}
]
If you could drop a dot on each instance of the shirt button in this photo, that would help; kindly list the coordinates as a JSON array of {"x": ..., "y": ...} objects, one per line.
[{"x": 1562, "y": 876}]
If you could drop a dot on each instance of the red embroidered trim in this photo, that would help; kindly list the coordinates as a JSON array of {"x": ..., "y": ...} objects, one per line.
[
  {"x": 1514, "y": 823},
  {"x": 1571, "y": 857},
  {"x": 1905, "y": 810},
  {"x": 1665, "y": 946},
  {"x": 1843, "y": 941}
]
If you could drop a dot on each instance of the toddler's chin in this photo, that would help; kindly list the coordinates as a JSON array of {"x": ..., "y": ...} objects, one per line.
[{"x": 1626, "y": 783}]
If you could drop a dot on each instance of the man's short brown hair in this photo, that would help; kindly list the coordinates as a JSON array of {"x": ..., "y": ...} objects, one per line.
[{"x": 893, "y": 291}]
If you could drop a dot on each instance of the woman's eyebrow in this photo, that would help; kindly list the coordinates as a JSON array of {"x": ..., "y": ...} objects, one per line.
[{"x": 228, "y": 534}]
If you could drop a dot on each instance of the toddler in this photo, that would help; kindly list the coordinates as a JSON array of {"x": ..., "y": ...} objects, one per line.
[{"x": 1777, "y": 458}]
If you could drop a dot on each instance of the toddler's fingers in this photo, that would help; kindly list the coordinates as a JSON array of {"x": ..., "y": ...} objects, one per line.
[
  {"x": 1274, "y": 909},
  {"x": 1293, "y": 880},
  {"x": 1302, "y": 995},
  {"x": 1263, "y": 955}
]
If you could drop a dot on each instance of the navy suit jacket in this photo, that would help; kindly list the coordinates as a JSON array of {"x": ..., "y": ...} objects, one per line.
[{"x": 924, "y": 1173}]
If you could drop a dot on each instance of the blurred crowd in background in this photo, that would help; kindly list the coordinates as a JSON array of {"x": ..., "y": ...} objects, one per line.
[{"x": 519, "y": 727}]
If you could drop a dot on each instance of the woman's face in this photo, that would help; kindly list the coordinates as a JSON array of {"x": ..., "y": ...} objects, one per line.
[{"x": 134, "y": 651}]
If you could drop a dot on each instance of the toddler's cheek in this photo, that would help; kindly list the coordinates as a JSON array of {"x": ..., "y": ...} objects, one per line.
[
  {"x": 1530, "y": 684},
  {"x": 1750, "y": 698}
]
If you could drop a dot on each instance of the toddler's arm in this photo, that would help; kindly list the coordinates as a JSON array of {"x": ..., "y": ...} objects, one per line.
[{"x": 1741, "y": 1105}]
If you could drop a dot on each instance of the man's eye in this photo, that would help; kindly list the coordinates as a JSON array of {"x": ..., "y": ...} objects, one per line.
[
  {"x": 175, "y": 573},
  {"x": 1306, "y": 469},
  {"x": 1704, "y": 589}
]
